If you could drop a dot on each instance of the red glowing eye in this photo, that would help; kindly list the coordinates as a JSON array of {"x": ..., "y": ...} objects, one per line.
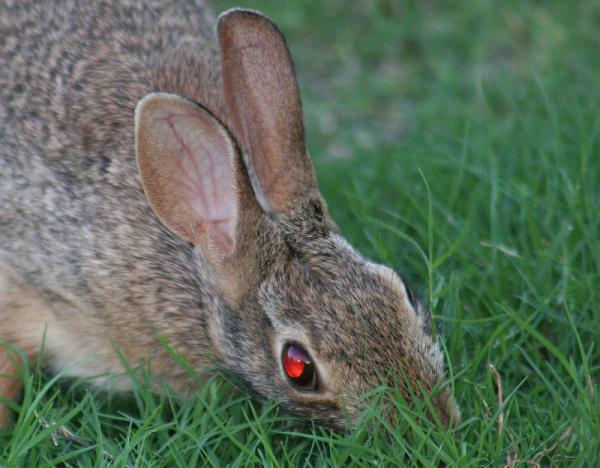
[
  {"x": 299, "y": 368},
  {"x": 294, "y": 365}
]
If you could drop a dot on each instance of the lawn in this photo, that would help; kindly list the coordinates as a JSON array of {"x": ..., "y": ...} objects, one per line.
[{"x": 458, "y": 142}]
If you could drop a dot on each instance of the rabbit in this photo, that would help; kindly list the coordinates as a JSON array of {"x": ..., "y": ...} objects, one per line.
[{"x": 155, "y": 187}]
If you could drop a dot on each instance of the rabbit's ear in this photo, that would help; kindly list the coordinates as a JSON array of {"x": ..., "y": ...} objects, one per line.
[
  {"x": 264, "y": 110},
  {"x": 187, "y": 162}
]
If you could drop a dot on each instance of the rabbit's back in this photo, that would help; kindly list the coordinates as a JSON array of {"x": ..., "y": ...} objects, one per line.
[
  {"x": 72, "y": 72},
  {"x": 74, "y": 222}
]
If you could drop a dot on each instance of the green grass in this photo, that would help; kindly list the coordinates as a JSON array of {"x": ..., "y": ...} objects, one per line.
[{"x": 460, "y": 143}]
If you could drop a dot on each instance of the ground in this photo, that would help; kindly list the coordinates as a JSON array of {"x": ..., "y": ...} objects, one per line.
[{"x": 458, "y": 142}]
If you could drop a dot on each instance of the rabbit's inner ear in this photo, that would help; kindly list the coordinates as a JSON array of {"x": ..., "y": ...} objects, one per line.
[
  {"x": 187, "y": 164},
  {"x": 264, "y": 109}
]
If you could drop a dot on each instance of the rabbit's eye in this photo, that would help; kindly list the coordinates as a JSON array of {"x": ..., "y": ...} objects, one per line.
[{"x": 299, "y": 367}]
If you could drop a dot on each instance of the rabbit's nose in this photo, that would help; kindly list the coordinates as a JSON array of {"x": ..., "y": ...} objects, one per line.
[{"x": 448, "y": 410}]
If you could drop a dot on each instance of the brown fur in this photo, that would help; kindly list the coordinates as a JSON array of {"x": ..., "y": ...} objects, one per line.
[
  {"x": 10, "y": 382},
  {"x": 91, "y": 263},
  {"x": 274, "y": 137},
  {"x": 25, "y": 318}
]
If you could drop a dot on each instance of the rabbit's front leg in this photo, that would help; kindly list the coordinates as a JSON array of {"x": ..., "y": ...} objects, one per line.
[
  {"x": 10, "y": 382},
  {"x": 23, "y": 315}
]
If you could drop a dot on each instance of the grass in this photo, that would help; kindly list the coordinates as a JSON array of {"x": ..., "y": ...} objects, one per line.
[{"x": 460, "y": 143}]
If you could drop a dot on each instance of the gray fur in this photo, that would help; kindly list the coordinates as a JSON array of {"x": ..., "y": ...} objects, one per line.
[{"x": 77, "y": 231}]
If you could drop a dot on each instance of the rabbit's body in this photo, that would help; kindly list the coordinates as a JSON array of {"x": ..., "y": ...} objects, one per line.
[
  {"x": 74, "y": 222},
  {"x": 86, "y": 263}
]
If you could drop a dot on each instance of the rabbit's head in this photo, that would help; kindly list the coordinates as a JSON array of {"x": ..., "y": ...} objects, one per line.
[{"x": 299, "y": 314}]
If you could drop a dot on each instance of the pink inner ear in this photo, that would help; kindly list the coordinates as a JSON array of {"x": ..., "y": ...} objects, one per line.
[{"x": 198, "y": 170}]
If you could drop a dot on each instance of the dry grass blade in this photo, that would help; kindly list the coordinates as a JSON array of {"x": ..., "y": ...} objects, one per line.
[
  {"x": 512, "y": 460},
  {"x": 500, "y": 397},
  {"x": 564, "y": 437},
  {"x": 67, "y": 435}
]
